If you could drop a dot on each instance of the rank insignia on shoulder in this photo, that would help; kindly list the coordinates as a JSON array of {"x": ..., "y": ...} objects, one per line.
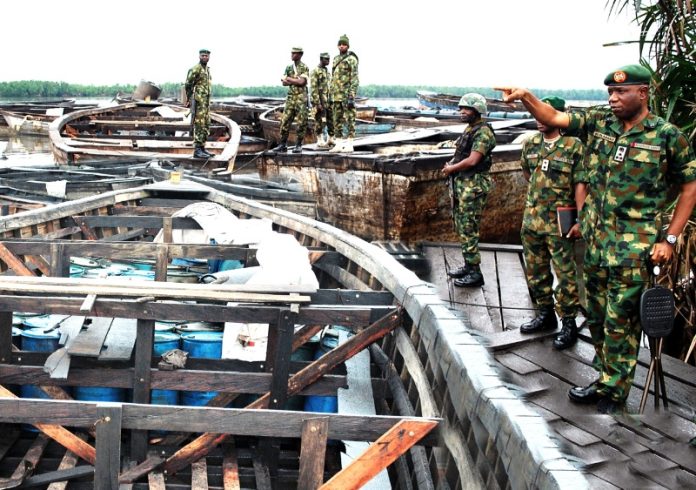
[
  {"x": 620, "y": 154},
  {"x": 544, "y": 164}
]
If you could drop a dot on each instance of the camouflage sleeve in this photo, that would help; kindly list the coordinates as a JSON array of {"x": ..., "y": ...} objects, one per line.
[
  {"x": 354, "y": 79},
  {"x": 681, "y": 161},
  {"x": 289, "y": 71},
  {"x": 303, "y": 71},
  {"x": 191, "y": 79},
  {"x": 578, "y": 156},
  {"x": 484, "y": 141},
  {"x": 524, "y": 159}
]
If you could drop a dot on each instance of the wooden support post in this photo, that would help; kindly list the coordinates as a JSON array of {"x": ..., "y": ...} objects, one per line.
[
  {"x": 263, "y": 477},
  {"x": 385, "y": 450},
  {"x": 162, "y": 262},
  {"x": 108, "y": 446},
  {"x": 203, "y": 444},
  {"x": 84, "y": 227},
  {"x": 230, "y": 467},
  {"x": 62, "y": 436},
  {"x": 14, "y": 262},
  {"x": 199, "y": 475},
  {"x": 313, "y": 453},
  {"x": 167, "y": 229},
  {"x": 142, "y": 375},
  {"x": 60, "y": 267},
  {"x": 5, "y": 336}
]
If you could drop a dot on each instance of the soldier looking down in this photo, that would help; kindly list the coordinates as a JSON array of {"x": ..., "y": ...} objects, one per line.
[
  {"x": 632, "y": 159},
  {"x": 469, "y": 180},
  {"x": 198, "y": 88},
  {"x": 552, "y": 164},
  {"x": 295, "y": 77}
]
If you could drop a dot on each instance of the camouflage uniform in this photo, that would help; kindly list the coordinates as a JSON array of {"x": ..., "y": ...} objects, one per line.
[
  {"x": 554, "y": 172},
  {"x": 198, "y": 88},
  {"x": 344, "y": 86},
  {"x": 628, "y": 176},
  {"x": 471, "y": 187},
  {"x": 295, "y": 103},
  {"x": 319, "y": 81}
]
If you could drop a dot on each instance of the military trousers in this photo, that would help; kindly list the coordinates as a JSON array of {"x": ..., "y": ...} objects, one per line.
[
  {"x": 613, "y": 309},
  {"x": 295, "y": 108},
  {"x": 541, "y": 250},
  {"x": 323, "y": 119},
  {"x": 343, "y": 119},
  {"x": 470, "y": 195},
  {"x": 201, "y": 124}
]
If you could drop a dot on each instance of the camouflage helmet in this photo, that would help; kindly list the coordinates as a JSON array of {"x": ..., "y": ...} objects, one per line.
[{"x": 475, "y": 101}]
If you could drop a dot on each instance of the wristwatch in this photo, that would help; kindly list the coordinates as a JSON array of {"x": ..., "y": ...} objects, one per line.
[{"x": 671, "y": 239}]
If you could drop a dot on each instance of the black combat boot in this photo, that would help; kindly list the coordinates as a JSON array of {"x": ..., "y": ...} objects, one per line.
[
  {"x": 568, "y": 335},
  {"x": 298, "y": 148},
  {"x": 283, "y": 146},
  {"x": 458, "y": 272},
  {"x": 208, "y": 154},
  {"x": 199, "y": 152},
  {"x": 472, "y": 279},
  {"x": 545, "y": 320}
]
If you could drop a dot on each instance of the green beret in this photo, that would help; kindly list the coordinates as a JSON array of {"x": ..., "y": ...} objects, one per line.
[
  {"x": 203, "y": 51},
  {"x": 628, "y": 75},
  {"x": 324, "y": 55},
  {"x": 344, "y": 40},
  {"x": 297, "y": 50},
  {"x": 555, "y": 102}
]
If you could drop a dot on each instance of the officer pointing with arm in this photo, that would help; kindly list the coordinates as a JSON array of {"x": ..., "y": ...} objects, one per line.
[{"x": 632, "y": 159}]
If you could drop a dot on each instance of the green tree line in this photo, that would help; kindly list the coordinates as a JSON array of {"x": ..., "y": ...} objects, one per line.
[{"x": 38, "y": 88}]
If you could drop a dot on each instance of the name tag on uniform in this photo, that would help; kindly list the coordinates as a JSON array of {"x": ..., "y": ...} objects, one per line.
[
  {"x": 620, "y": 154},
  {"x": 544, "y": 164}
]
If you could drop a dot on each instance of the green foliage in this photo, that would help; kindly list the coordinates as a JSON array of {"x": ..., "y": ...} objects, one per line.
[
  {"x": 35, "y": 88},
  {"x": 668, "y": 38}
]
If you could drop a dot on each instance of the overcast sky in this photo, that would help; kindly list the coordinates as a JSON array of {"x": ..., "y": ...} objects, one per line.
[{"x": 533, "y": 43}]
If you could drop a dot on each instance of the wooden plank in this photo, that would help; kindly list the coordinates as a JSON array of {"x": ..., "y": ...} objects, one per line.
[
  {"x": 85, "y": 228},
  {"x": 263, "y": 477},
  {"x": 203, "y": 444},
  {"x": 312, "y": 453},
  {"x": 108, "y": 445},
  {"x": 199, "y": 475},
  {"x": 5, "y": 336},
  {"x": 26, "y": 464},
  {"x": 230, "y": 466},
  {"x": 514, "y": 293},
  {"x": 155, "y": 481},
  {"x": 516, "y": 363},
  {"x": 14, "y": 262},
  {"x": 120, "y": 340},
  {"x": 142, "y": 381},
  {"x": 162, "y": 263},
  {"x": 379, "y": 455},
  {"x": 58, "y": 477},
  {"x": 90, "y": 340},
  {"x": 69, "y": 461}
]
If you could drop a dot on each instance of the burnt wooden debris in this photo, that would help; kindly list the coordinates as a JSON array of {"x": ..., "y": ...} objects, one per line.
[
  {"x": 652, "y": 450},
  {"x": 427, "y": 372}
]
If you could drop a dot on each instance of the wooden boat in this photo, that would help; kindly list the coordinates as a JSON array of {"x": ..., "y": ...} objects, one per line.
[
  {"x": 34, "y": 118},
  {"x": 365, "y": 124},
  {"x": 140, "y": 130},
  {"x": 451, "y": 102},
  {"x": 391, "y": 187},
  {"x": 434, "y": 390}
]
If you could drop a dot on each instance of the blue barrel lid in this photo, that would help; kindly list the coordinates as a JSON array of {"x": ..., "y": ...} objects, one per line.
[
  {"x": 43, "y": 321},
  {"x": 166, "y": 336},
  {"x": 202, "y": 336},
  {"x": 40, "y": 333},
  {"x": 16, "y": 332}
]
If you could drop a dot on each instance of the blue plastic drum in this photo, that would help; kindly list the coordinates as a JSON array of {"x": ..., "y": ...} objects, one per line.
[
  {"x": 99, "y": 394},
  {"x": 205, "y": 345},
  {"x": 316, "y": 403},
  {"x": 164, "y": 341}
]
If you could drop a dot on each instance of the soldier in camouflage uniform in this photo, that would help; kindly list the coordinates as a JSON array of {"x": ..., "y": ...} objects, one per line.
[
  {"x": 319, "y": 82},
  {"x": 632, "y": 159},
  {"x": 553, "y": 166},
  {"x": 470, "y": 181},
  {"x": 344, "y": 88},
  {"x": 198, "y": 88},
  {"x": 296, "y": 77}
]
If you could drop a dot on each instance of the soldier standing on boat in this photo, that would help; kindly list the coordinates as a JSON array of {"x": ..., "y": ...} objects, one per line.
[
  {"x": 319, "y": 81},
  {"x": 295, "y": 77},
  {"x": 552, "y": 164},
  {"x": 470, "y": 182},
  {"x": 198, "y": 88},
  {"x": 633, "y": 157},
  {"x": 344, "y": 89}
]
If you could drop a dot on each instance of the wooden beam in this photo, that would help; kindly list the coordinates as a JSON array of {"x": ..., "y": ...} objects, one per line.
[
  {"x": 312, "y": 453},
  {"x": 381, "y": 454},
  {"x": 162, "y": 262},
  {"x": 14, "y": 262},
  {"x": 68, "y": 462},
  {"x": 230, "y": 466},
  {"x": 304, "y": 334},
  {"x": 62, "y": 436},
  {"x": 142, "y": 381},
  {"x": 26, "y": 464},
  {"x": 203, "y": 444},
  {"x": 84, "y": 227},
  {"x": 199, "y": 475},
  {"x": 108, "y": 447}
]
